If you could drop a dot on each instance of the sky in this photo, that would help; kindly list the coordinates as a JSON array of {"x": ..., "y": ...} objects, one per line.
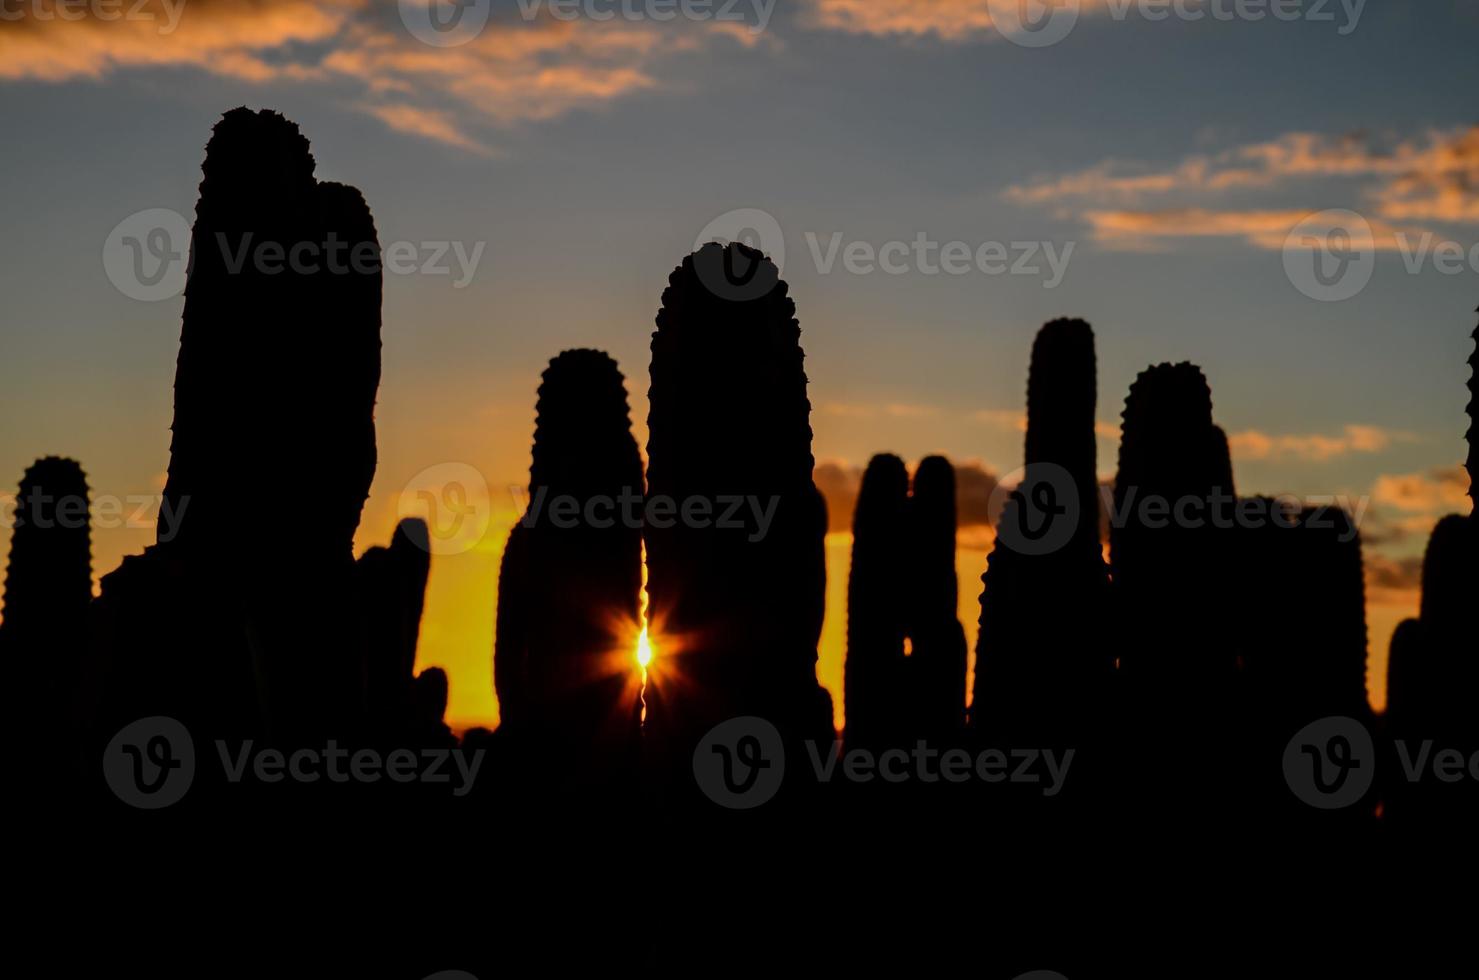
[{"x": 1290, "y": 202}]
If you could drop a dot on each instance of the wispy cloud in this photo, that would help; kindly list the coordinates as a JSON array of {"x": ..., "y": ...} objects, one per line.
[
  {"x": 954, "y": 21},
  {"x": 1251, "y": 444},
  {"x": 1440, "y": 490},
  {"x": 515, "y": 71},
  {"x": 1434, "y": 178}
]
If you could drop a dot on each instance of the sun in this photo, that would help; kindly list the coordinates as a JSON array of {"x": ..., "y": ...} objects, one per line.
[{"x": 644, "y": 648}]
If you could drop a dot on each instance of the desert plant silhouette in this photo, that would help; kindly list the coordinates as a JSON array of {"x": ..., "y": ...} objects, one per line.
[
  {"x": 1172, "y": 582},
  {"x": 1042, "y": 661},
  {"x": 1168, "y": 571},
  {"x": 569, "y": 586},
  {"x": 875, "y": 681},
  {"x": 1432, "y": 674},
  {"x": 392, "y": 593},
  {"x": 48, "y": 581},
  {"x": 1473, "y": 408},
  {"x": 729, "y": 417},
  {"x": 48, "y": 588},
  {"x": 274, "y": 398},
  {"x": 937, "y": 662}
]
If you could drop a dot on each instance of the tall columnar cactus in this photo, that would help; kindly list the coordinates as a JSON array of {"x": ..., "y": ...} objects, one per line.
[
  {"x": 875, "y": 687},
  {"x": 571, "y": 580},
  {"x": 729, "y": 417},
  {"x": 1473, "y": 433},
  {"x": 1041, "y": 655},
  {"x": 1170, "y": 560},
  {"x": 275, "y": 388},
  {"x": 1448, "y": 683},
  {"x": 392, "y": 591},
  {"x": 280, "y": 349},
  {"x": 1433, "y": 675},
  {"x": 937, "y": 663},
  {"x": 48, "y": 583}
]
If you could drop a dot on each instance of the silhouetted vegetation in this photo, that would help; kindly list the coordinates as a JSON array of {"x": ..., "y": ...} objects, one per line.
[
  {"x": 571, "y": 579},
  {"x": 729, "y": 417},
  {"x": 937, "y": 661},
  {"x": 392, "y": 592},
  {"x": 1042, "y": 659},
  {"x": 1182, "y": 667},
  {"x": 875, "y": 680},
  {"x": 277, "y": 372}
]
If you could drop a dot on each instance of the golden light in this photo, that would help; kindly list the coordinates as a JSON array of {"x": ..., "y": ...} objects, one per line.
[
  {"x": 644, "y": 638},
  {"x": 644, "y": 644}
]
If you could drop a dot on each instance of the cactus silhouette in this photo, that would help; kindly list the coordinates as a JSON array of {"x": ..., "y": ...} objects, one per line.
[
  {"x": 729, "y": 418},
  {"x": 1473, "y": 408},
  {"x": 875, "y": 686},
  {"x": 1307, "y": 659},
  {"x": 1445, "y": 684},
  {"x": 278, "y": 367},
  {"x": 48, "y": 586},
  {"x": 1432, "y": 674},
  {"x": 937, "y": 662},
  {"x": 569, "y": 587},
  {"x": 275, "y": 388},
  {"x": 1170, "y": 575},
  {"x": 392, "y": 591},
  {"x": 1041, "y": 656}
]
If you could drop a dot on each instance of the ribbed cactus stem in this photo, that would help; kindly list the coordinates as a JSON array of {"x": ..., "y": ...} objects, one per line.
[
  {"x": 570, "y": 583},
  {"x": 584, "y": 581},
  {"x": 48, "y": 582},
  {"x": 875, "y": 695},
  {"x": 1473, "y": 408},
  {"x": 729, "y": 417},
  {"x": 1037, "y": 660},
  {"x": 392, "y": 586},
  {"x": 1062, "y": 397},
  {"x": 280, "y": 347},
  {"x": 937, "y": 664},
  {"x": 1170, "y": 572}
]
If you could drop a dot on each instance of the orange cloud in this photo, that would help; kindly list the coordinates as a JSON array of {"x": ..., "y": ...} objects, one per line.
[
  {"x": 223, "y": 38},
  {"x": 1253, "y": 444},
  {"x": 1393, "y": 581},
  {"x": 512, "y": 72},
  {"x": 429, "y": 123},
  {"x": 1440, "y": 490},
  {"x": 944, "y": 20},
  {"x": 1434, "y": 178}
]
